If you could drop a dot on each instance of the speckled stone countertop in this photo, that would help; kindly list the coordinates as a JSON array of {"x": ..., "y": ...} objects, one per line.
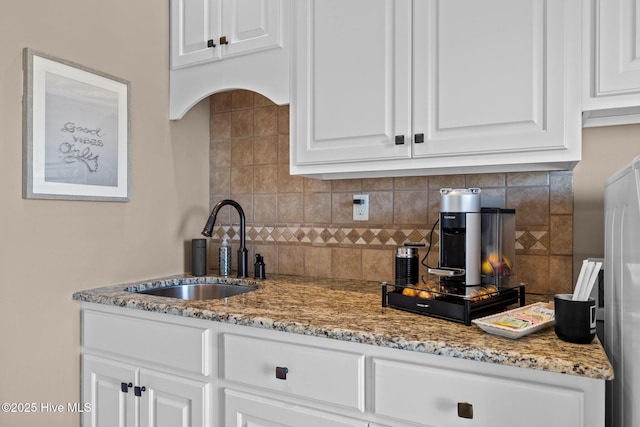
[{"x": 352, "y": 311}]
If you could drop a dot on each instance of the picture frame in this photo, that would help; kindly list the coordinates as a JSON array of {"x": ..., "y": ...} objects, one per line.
[{"x": 76, "y": 131}]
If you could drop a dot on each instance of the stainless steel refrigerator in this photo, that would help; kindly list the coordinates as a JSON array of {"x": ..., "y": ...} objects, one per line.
[{"x": 622, "y": 294}]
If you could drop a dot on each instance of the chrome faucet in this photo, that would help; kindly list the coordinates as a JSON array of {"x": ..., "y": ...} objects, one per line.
[{"x": 242, "y": 252}]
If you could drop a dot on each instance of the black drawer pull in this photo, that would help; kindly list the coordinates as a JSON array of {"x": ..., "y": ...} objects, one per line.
[
  {"x": 281, "y": 373},
  {"x": 124, "y": 387},
  {"x": 419, "y": 138},
  {"x": 465, "y": 410},
  {"x": 138, "y": 390},
  {"x": 210, "y": 43},
  {"x": 399, "y": 139}
]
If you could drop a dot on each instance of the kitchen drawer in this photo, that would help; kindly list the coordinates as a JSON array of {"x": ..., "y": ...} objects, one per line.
[
  {"x": 242, "y": 409},
  {"x": 429, "y": 395},
  {"x": 178, "y": 347},
  {"x": 329, "y": 376}
]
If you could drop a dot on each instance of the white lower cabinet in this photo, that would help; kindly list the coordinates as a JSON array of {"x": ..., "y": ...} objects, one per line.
[
  {"x": 172, "y": 401},
  {"x": 146, "y": 369},
  {"x": 247, "y": 410},
  {"x": 125, "y": 395},
  {"x": 192, "y": 372},
  {"x": 108, "y": 386}
]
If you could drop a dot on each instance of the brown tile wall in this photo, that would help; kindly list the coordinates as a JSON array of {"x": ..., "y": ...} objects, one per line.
[{"x": 304, "y": 226}]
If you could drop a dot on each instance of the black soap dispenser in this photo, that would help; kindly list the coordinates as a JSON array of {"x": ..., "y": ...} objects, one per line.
[{"x": 259, "y": 268}]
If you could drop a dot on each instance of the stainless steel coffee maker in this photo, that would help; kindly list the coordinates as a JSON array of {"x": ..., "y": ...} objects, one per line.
[
  {"x": 460, "y": 231},
  {"x": 477, "y": 243}
]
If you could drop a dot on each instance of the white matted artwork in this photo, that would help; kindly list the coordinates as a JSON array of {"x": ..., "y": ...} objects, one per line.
[{"x": 76, "y": 131}]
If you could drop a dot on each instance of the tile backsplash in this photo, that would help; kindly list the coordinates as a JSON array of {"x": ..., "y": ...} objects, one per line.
[{"x": 304, "y": 226}]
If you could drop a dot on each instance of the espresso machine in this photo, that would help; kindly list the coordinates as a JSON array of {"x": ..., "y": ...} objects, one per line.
[
  {"x": 460, "y": 231},
  {"x": 475, "y": 262},
  {"x": 477, "y": 242}
]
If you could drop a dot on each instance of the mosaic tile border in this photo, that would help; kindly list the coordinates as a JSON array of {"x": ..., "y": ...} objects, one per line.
[{"x": 527, "y": 241}]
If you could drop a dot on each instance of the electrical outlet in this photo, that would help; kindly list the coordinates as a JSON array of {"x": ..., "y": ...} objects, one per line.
[{"x": 361, "y": 207}]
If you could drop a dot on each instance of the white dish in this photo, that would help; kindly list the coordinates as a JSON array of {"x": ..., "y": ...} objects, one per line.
[{"x": 488, "y": 324}]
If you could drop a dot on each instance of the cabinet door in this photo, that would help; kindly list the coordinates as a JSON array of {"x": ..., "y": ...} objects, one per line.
[
  {"x": 193, "y": 24},
  {"x": 497, "y": 77},
  {"x": 618, "y": 47},
  {"x": 613, "y": 43},
  {"x": 351, "y": 80},
  {"x": 102, "y": 381},
  {"x": 251, "y": 25},
  {"x": 171, "y": 401},
  {"x": 243, "y": 410}
]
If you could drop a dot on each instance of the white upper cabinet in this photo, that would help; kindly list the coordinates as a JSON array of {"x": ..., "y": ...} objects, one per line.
[
  {"x": 352, "y": 81},
  {"x": 487, "y": 86},
  {"x": 611, "y": 92},
  {"x": 195, "y": 30},
  {"x": 208, "y": 30},
  {"x": 490, "y": 77},
  {"x": 228, "y": 44}
]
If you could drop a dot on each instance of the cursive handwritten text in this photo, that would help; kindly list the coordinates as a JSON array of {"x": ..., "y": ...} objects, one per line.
[
  {"x": 71, "y": 154},
  {"x": 87, "y": 135}
]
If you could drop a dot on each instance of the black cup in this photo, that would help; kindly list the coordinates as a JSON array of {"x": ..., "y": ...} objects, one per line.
[
  {"x": 198, "y": 257},
  {"x": 575, "y": 320}
]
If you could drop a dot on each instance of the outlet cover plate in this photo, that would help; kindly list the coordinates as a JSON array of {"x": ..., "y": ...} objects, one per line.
[{"x": 361, "y": 207}]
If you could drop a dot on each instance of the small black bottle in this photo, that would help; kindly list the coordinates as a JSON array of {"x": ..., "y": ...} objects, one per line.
[
  {"x": 199, "y": 257},
  {"x": 259, "y": 268}
]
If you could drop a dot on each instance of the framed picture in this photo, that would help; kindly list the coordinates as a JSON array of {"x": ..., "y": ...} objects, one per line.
[{"x": 75, "y": 132}]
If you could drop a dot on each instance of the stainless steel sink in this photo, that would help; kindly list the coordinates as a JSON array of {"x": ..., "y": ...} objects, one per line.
[{"x": 199, "y": 291}]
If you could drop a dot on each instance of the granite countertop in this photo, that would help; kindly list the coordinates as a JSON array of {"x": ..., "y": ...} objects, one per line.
[{"x": 351, "y": 310}]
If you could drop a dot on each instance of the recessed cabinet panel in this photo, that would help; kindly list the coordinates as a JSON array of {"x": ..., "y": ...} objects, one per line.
[
  {"x": 171, "y": 401},
  {"x": 351, "y": 80},
  {"x": 466, "y": 36},
  {"x": 193, "y": 24},
  {"x": 251, "y": 25},
  {"x": 618, "y": 47},
  {"x": 490, "y": 77},
  {"x": 102, "y": 387},
  {"x": 611, "y": 58}
]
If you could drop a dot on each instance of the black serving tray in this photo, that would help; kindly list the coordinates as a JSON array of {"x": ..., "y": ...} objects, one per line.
[{"x": 458, "y": 308}]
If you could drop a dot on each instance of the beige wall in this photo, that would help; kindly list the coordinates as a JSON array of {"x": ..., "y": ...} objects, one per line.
[
  {"x": 604, "y": 151},
  {"x": 49, "y": 249}
]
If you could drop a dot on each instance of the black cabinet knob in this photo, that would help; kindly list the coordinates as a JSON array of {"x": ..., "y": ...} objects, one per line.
[
  {"x": 124, "y": 387},
  {"x": 223, "y": 40},
  {"x": 281, "y": 373},
  {"x": 138, "y": 390},
  {"x": 210, "y": 43},
  {"x": 399, "y": 139},
  {"x": 465, "y": 410},
  {"x": 418, "y": 138}
]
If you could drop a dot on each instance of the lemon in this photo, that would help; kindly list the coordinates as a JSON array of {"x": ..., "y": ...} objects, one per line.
[{"x": 486, "y": 267}]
